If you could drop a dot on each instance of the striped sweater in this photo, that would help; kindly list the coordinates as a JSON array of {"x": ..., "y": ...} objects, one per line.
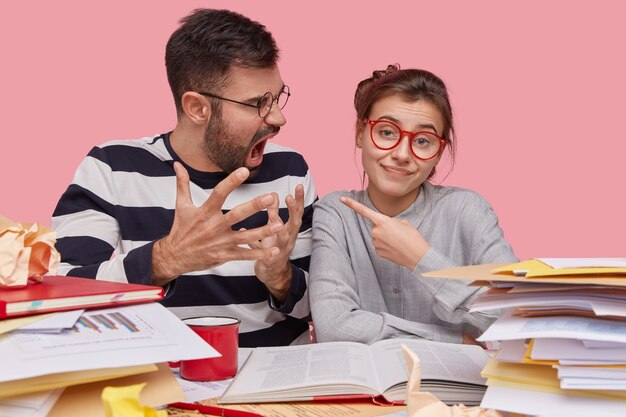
[{"x": 122, "y": 200}]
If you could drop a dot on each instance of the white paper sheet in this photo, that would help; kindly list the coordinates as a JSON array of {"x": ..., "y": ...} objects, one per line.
[
  {"x": 570, "y": 349},
  {"x": 594, "y": 384},
  {"x": 560, "y": 263},
  {"x": 30, "y": 405},
  {"x": 511, "y": 351},
  {"x": 595, "y": 344},
  {"x": 199, "y": 390},
  {"x": 108, "y": 338},
  {"x": 516, "y": 328},
  {"x": 53, "y": 324},
  {"x": 600, "y": 304},
  {"x": 590, "y": 372},
  {"x": 550, "y": 405}
]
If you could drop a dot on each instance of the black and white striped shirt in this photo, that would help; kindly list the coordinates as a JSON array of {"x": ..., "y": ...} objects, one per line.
[{"x": 122, "y": 199}]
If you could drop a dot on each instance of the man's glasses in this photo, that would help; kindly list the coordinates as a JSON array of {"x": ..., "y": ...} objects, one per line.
[
  {"x": 265, "y": 103},
  {"x": 387, "y": 135}
]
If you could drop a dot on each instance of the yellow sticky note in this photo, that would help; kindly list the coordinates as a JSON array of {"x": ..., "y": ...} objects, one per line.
[{"x": 124, "y": 402}]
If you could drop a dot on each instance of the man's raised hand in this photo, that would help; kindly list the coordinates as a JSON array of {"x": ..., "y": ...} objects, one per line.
[{"x": 202, "y": 237}]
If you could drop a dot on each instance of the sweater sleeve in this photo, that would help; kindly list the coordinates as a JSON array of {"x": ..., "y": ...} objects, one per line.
[
  {"x": 297, "y": 302},
  {"x": 335, "y": 300},
  {"x": 88, "y": 231},
  {"x": 479, "y": 225}
]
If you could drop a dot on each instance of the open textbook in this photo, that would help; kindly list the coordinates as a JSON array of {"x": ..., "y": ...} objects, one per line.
[{"x": 346, "y": 369}]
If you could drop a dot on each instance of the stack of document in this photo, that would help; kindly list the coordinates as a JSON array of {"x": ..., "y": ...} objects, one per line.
[
  {"x": 42, "y": 355},
  {"x": 562, "y": 334}
]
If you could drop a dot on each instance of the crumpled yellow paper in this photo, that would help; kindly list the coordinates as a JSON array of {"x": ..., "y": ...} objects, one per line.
[
  {"x": 425, "y": 404},
  {"x": 26, "y": 251},
  {"x": 124, "y": 402}
]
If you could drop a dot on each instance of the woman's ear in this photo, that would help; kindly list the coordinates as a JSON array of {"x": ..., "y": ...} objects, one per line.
[
  {"x": 358, "y": 132},
  {"x": 196, "y": 107}
]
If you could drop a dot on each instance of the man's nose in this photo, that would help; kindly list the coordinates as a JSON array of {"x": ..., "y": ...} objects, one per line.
[{"x": 275, "y": 117}]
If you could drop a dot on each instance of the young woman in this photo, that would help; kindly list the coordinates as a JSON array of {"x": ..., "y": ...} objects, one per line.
[{"x": 370, "y": 247}]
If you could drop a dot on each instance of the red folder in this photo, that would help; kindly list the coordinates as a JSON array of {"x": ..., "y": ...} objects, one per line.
[{"x": 60, "y": 293}]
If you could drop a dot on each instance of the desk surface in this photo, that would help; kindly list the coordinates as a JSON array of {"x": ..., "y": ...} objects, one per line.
[{"x": 302, "y": 409}]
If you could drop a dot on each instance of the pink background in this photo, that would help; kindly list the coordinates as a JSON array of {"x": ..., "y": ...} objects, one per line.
[{"x": 538, "y": 90}]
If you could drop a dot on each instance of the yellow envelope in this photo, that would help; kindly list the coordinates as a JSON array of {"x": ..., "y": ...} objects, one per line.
[
  {"x": 66, "y": 379},
  {"x": 528, "y": 359},
  {"x": 537, "y": 378},
  {"x": 84, "y": 400},
  {"x": 485, "y": 273},
  {"x": 536, "y": 269}
]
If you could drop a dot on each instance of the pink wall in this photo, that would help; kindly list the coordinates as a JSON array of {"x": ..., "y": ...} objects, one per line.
[{"x": 538, "y": 90}]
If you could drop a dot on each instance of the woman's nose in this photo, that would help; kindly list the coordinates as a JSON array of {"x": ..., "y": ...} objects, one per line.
[{"x": 403, "y": 150}]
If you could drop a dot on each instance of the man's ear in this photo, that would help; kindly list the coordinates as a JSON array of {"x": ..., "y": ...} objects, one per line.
[
  {"x": 196, "y": 107},
  {"x": 358, "y": 131}
]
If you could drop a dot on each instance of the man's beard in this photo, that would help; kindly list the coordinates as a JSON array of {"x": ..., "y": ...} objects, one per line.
[{"x": 225, "y": 149}]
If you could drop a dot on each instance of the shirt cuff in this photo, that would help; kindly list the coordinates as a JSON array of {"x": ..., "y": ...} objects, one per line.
[
  {"x": 297, "y": 289},
  {"x": 431, "y": 261},
  {"x": 138, "y": 265}
]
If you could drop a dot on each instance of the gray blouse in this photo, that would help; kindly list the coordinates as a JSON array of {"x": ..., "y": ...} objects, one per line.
[{"x": 358, "y": 296}]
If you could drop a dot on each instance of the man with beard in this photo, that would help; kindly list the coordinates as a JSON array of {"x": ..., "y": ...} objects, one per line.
[{"x": 210, "y": 210}]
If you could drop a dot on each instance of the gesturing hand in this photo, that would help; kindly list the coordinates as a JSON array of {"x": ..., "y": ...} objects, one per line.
[
  {"x": 275, "y": 272},
  {"x": 202, "y": 237},
  {"x": 395, "y": 240}
]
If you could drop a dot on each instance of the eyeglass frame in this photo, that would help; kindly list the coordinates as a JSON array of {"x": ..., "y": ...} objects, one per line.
[
  {"x": 407, "y": 133},
  {"x": 257, "y": 106}
]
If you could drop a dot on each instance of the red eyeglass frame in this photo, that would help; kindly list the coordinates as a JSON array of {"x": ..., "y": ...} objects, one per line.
[{"x": 407, "y": 133}]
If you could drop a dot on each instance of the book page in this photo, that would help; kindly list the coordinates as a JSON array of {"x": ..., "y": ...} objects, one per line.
[
  {"x": 441, "y": 361},
  {"x": 276, "y": 369}
]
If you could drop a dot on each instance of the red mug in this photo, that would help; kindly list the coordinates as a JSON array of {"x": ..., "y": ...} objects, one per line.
[{"x": 223, "y": 334}]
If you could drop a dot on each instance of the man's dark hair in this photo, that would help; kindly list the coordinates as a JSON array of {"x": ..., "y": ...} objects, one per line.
[{"x": 208, "y": 42}]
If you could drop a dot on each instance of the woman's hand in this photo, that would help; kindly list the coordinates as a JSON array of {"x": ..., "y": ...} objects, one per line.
[{"x": 395, "y": 240}]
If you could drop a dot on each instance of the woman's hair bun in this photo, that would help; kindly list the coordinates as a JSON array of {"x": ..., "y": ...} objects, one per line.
[{"x": 381, "y": 73}]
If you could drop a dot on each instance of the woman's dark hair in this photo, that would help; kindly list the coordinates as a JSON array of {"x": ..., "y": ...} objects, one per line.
[
  {"x": 199, "y": 54},
  {"x": 412, "y": 85}
]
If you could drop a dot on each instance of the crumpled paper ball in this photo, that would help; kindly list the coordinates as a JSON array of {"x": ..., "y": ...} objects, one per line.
[
  {"x": 26, "y": 252},
  {"x": 424, "y": 404}
]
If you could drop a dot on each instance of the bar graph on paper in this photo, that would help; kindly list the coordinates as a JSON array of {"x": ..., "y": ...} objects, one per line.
[
  {"x": 95, "y": 331},
  {"x": 106, "y": 322}
]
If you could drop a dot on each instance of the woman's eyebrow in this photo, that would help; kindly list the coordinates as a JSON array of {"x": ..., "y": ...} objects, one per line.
[{"x": 419, "y": 126}]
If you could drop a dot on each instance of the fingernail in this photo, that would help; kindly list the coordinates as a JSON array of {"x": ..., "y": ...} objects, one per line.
[
  {"x": 274, "y": 251},
  {"x": 290, "y": 200},
  {"x": 242, "y": 173},
  {"x": 343, "y": 199},
  {"x": 276, "y": 227},
  {"x": 267, "y": 199}
]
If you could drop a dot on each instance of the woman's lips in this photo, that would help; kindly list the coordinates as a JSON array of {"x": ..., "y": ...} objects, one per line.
[{"x": 396, "y": 171}]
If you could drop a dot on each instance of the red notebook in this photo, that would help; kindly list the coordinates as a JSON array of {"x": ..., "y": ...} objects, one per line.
[{"x": 60, "y": 293}]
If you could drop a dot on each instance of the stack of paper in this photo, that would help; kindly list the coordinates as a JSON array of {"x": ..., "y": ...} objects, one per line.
[
  {"x": 41, "y": 354},
  {"x": 562, "y": 332}
]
